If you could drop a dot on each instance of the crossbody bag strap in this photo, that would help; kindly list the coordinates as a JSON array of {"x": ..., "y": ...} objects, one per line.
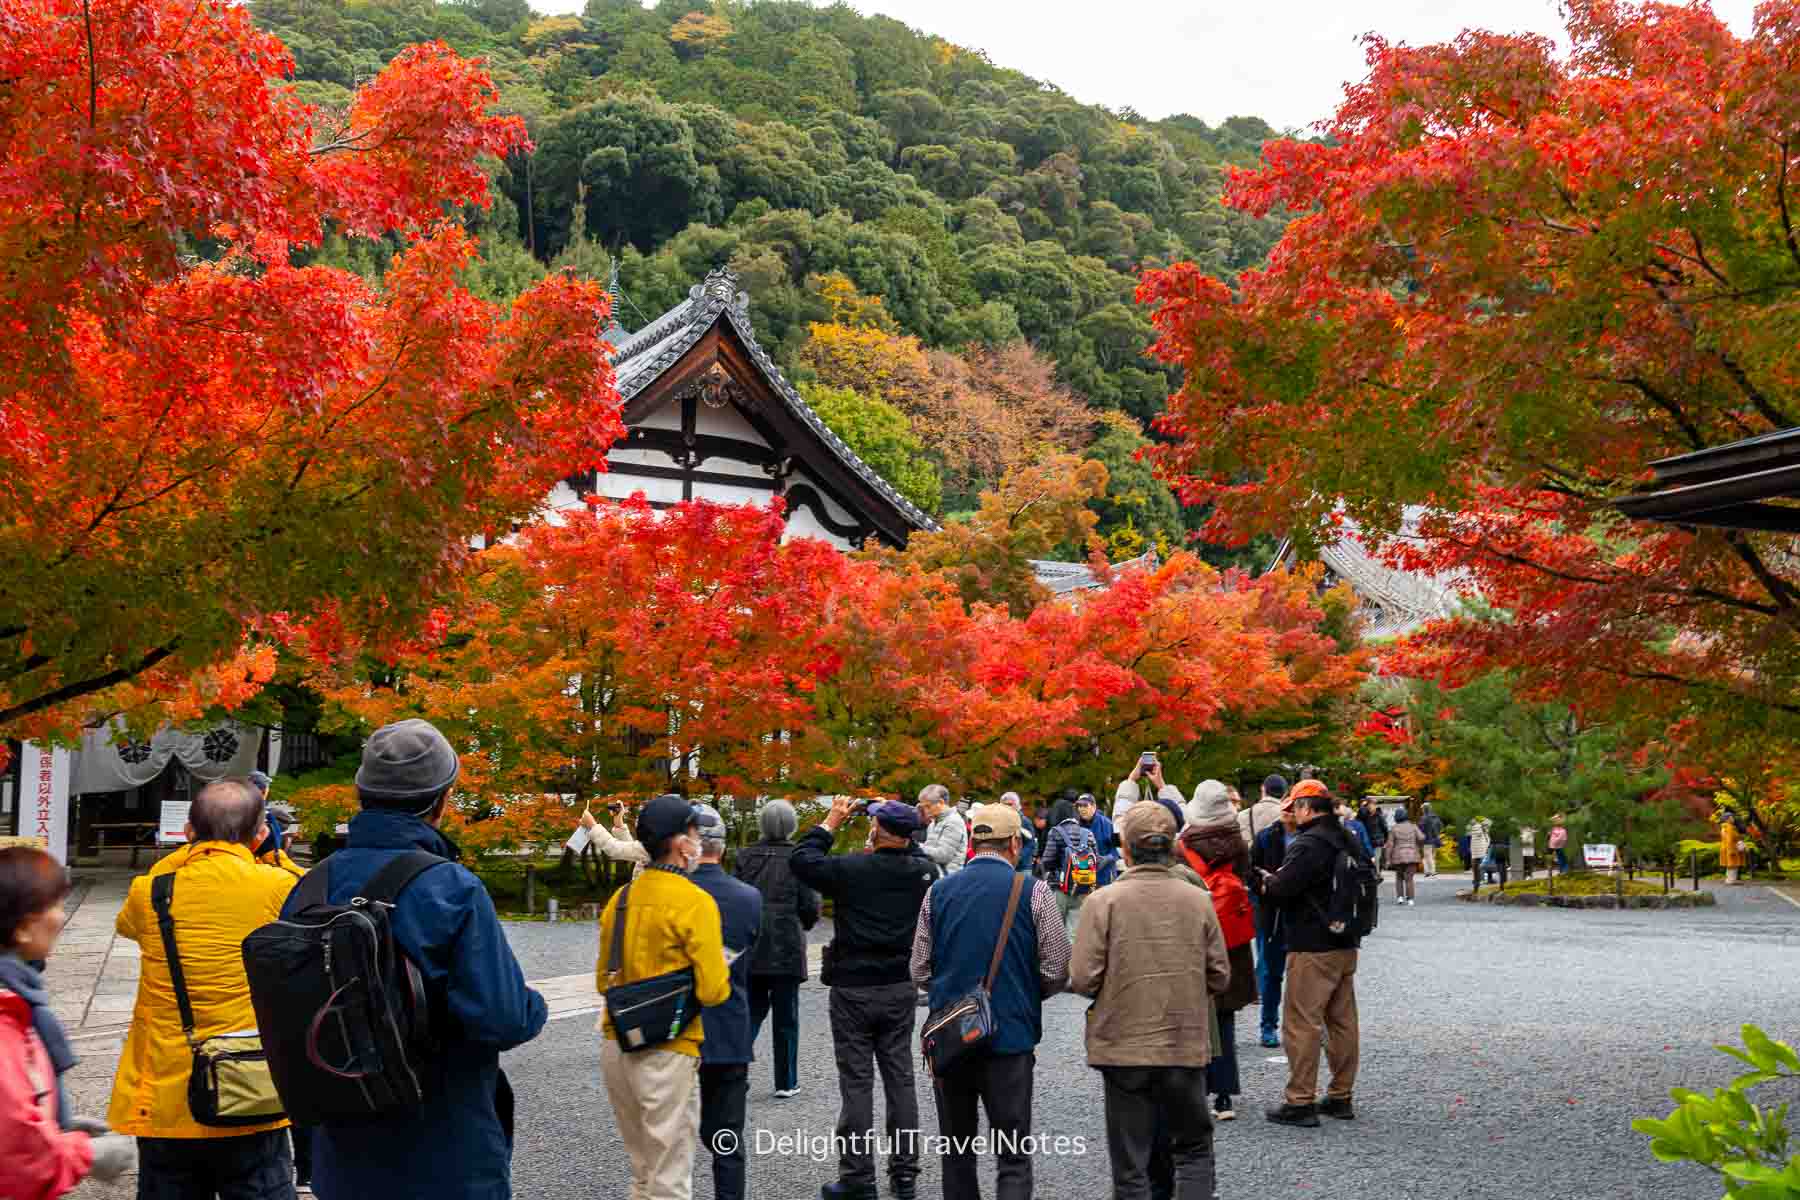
[
  {"x": 162, "y": 894},
  {"x": 615, "y": 957},
  {"x": 1012, "y": 907}
]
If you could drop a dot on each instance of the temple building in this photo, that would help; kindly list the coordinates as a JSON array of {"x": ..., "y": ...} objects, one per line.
[
  {"x": 711, "y": 417},
  {"x": 1392, "y": 602}
]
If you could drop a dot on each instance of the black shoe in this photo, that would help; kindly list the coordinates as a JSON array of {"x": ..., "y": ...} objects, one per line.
[
  {"x": 1305, "y": 1116},
  {"x": 903, "y": 1187},
  {"x": 855, "y": 1191},
  {"x": 1343, "y": 1110}
]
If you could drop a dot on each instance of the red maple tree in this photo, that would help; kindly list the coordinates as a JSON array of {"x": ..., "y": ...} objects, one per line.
[
  {"x": 1517, "y": 277},
  {"x": 201, "y": 444}
]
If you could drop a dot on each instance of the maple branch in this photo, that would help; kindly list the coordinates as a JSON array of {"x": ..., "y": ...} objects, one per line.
[
  {"x": 1698, "y": 593},
  {"x": 1668, "y": 405},
  {"x": 1738, "y": 376},
  {"x": 1787, "y": 222},
  {"x": 1783, "y": 592},
  {"x": 87, "y": 20},
  {"x": 1699, "y": 685},
  {"x": 87, "y": 687}
]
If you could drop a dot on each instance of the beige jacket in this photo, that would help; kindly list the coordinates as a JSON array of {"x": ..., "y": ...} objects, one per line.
[
  {"x": 1405, "y": 844},
  {"x": 1264, "y": 813},
  {"x": 1150, "y": 953}
]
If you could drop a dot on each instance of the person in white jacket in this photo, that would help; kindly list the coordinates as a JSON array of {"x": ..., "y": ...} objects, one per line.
[
  {"x": 1131, "y": 791},
  {"x": 947, "y": 836},
  {"x": 616, "y": 843}
]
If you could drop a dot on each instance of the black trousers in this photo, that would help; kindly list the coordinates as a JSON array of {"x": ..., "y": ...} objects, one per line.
[
  {"x": 250, "y": 1166},
  {"x": 782, "y": 997},
  {"x": 872, "y": 1029},
  {"x": 723, "y": 1090},
  {"x": 1001, "y": 1084},
  {"x": 302, "y": 1135},
  {"x": 1146, "y": 1106}
]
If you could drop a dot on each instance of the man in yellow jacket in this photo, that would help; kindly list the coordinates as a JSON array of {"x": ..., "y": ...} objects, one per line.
[
  {"x": 669, "y": 924},
  {"x": 221, "y": 894}
]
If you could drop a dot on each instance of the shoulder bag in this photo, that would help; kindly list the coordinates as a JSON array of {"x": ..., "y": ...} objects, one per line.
[
  {"x": 229, "y": 1084},
  {"x": 647, "y": 1012},
  {"x": 964, "y": 1027}
]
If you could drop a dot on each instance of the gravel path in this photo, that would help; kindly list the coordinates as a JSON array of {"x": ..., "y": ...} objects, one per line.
[{"x": 1505, "y": 1053}]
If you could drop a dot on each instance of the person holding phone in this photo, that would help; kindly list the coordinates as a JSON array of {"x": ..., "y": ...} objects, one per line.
[{"x": 1131, "y": 790}]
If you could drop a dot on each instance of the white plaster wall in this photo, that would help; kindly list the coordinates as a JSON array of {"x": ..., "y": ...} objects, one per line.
[
  {"x": 621, "y": 486},
  {"x": 838, "y": 512},
  {"x": 802, "y": 523},
  {"x": 724, "y": 422}
]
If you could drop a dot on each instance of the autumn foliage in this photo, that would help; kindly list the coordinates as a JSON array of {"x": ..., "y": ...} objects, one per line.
[
  {"x": 203, "y": 447},
  {"x": 627, "y": 651},
  {"x": 1518, "y": 277}
]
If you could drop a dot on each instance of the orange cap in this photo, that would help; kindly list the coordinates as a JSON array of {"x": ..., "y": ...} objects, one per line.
[{"x": 1308, "y": 787}]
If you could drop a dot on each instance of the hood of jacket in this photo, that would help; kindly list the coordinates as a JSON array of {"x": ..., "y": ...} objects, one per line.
[
  {"x": 391, "y": 829},
  {"x": 1214, "y": 843}
]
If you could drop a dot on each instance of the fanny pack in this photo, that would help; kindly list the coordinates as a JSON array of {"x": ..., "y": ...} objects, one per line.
[
  {"x": 959, "y": 1030},
  {"x": 646, "y": 1012},
  {"x": 229, "y": 1084}
]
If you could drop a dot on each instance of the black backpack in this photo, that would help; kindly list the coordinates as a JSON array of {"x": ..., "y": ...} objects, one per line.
[
  {"x": 1353, "y": 909},
  {"x": 345, "y": 1019}
]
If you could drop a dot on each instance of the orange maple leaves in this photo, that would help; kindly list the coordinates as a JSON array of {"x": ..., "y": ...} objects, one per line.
[
  {"x": 631, "y": 650},
  {"x": 1517, "y": 278},
  {"x": 203, "y": 441}
]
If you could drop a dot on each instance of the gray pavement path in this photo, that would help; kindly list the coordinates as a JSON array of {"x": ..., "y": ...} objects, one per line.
[{"x": 1505, "y": 1052}]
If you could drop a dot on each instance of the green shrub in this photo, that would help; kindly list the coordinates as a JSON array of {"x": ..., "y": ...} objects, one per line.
[
  {"x": 1708, "y": 852},
  {"x": 1746, "y": 1146}
]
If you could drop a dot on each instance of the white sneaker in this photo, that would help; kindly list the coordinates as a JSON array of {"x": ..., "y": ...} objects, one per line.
[{"x": 786, "y": 1093}]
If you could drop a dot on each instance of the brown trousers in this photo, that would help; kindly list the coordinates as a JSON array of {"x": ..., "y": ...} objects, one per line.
[{"x": 1319, "y": 1001}]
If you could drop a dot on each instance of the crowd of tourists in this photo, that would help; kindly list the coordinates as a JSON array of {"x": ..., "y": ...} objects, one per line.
[{"x": 338, "y": 1030}]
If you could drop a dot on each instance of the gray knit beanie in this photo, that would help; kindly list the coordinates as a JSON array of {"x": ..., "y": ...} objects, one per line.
[{"x": 405, "y": 765}]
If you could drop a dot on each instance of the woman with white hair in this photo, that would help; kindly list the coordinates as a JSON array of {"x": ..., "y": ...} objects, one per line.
[{"x": 778, "y": 963}]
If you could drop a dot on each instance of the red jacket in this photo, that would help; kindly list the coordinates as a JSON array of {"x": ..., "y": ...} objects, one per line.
[{"x": 38, "y": 1161}]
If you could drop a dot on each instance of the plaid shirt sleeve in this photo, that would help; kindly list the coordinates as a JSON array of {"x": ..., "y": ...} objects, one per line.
[
  {"x": 921, "y": 952},
  {"x": 1054, "y": 950}
]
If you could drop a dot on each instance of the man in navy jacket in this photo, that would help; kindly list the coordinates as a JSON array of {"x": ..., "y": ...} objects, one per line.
[
  {"x": 959, "y": 927},
  {"x": 458, "y": 1145},
  {"x": 726, "y": 1053}
]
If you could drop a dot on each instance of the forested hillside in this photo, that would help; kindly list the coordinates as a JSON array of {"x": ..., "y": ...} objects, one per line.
[{"x": 942, "y": 251}]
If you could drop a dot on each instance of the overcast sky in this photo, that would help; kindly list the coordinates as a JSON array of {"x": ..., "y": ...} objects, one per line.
[{"x": 1283, "y": 60}]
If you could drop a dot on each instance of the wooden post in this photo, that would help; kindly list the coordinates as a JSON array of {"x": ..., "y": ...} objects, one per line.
[
  {"x": 1619, "y": 884},
  {"x": 1694, "y": 867},
  {"x": 530, "y": 889}
]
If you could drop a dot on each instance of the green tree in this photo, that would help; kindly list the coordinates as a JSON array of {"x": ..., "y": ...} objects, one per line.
[{"x": 881, "y": 437}]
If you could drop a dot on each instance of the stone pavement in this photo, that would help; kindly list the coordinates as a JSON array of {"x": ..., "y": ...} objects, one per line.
[{"x": 1542, "y": 1033}]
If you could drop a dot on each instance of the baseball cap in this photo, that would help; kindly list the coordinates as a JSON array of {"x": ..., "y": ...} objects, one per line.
[
  {"x": 664, "y": 817},
  {"x": 712, "y": 825},
  {"x": 1086, "y": 798},
  {"x": 895, "y": 816},
  {"x": 1275, "y": 787},
  {"x": 1142, "y": 824},
  {"x": 993, "y": 821}
]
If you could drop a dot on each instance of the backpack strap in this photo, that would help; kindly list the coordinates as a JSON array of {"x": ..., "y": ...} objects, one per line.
[
  {"x": 1006, "y": 923},
  {"x": 385, "y": 886},
  {"x": 313, "y": 889},
  {"x": 615, "y": 958},
  {"x": 162, "y": 894}
]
